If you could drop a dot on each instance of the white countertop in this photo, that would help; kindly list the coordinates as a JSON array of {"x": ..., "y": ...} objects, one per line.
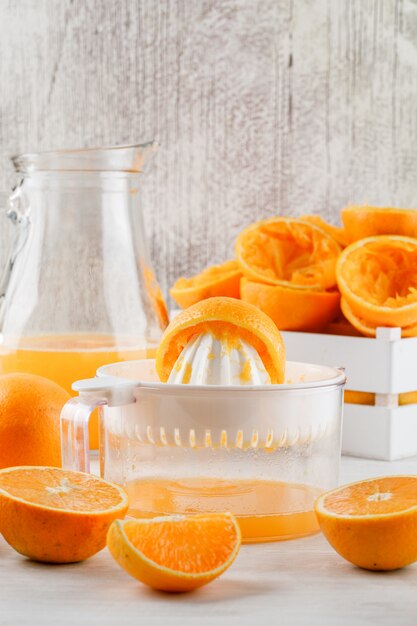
[{"x": 288, "y": 583}]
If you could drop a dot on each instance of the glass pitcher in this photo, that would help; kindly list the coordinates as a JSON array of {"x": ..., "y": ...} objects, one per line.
[{"x": 78, "y": 290}]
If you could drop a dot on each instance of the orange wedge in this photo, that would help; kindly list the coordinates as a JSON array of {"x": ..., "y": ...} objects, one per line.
[
  {"x": 217, "y": 280},
  {"x": 292, "y": 309},
  {"x": 175, "y": 553},
  {"x": 55, "y": 515},
  {"x": 377, "y": 278},
  {"x": 223, "y": 317},
  {"x": 367, "y": 221},
  {"x": 334, "y": 231},
  {"x": 372, "y": 523},
  {"x": 288, "y": 252}
]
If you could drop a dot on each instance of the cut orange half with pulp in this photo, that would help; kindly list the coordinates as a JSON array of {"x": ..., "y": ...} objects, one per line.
[
  {"x": 288, "y": 252},
  {"x": 175, "y": 553},
  {"x": 223, "y": 317},
  {"x": 216, "y": 280},
  {"x": 377, "y": 277},
  {"x": 55, "y": 515},
  {"x": 372, "y": 523}
]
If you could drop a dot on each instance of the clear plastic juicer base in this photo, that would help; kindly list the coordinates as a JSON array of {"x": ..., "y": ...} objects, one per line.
[{"x": 262, "y": 453}]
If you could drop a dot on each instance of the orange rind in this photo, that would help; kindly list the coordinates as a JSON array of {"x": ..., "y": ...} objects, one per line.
[
  {"x": 361, "y": 222},
  {"x": 223, "y": 317},
  {"x": 288, "y": 252},
  {"x": 292, "y": 309},
  {"x": 339, "y": 234},
  {"x": 377, "y": 278},
  {"x": 216, "y": 280}
]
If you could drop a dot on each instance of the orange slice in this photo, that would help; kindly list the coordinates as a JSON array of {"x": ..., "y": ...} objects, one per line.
[
  {"x": 175, "y": 553},
  {"x": 367, "y": 221},
  {"x": 223, "y": 317},
  {"x": 372, "y": 523},
  {"x": 288, "y": 252},
  {"x": 377, "y": 278},
  {"x": 292, "y": 309},
  {"x": 55, "y": 515},
  {"x": 334, "y": 231},
  {"x": 217, "y": 280}
]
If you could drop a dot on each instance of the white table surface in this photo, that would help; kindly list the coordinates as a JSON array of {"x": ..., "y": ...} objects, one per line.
[{"x": 288, "y": 583}]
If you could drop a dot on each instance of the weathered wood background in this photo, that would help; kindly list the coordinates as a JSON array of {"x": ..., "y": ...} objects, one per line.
[{"x": 261, "y": 106}]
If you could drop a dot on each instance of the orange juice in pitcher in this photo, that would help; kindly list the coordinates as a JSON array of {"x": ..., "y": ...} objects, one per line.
[
  {"x": 78, "y": 290},
  {"x": 67, "y": 358}
]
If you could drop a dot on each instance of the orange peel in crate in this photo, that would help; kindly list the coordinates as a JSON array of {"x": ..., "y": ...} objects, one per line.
[
  {"x": 372, "y": 523},
  {"x": 361, "y": 222},
  {"x": 368, "y": 398},
  {"x": 288, "y": 252},
  {"x": 292, "y": 309},
  {"x": 216, "y": 280},
  {"x": 223, "y": 317},
  {"x": 369, "y": 329},
  {"x": 377, "y": 278},
  {"x": 57, "y": 516},
  {"x": 175, "y": 553},
  {"x": 334, "y": 231}
]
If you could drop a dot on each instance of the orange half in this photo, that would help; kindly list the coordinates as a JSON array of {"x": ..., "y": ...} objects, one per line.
[
  {"x": 55, "y": 515},
  {"x": 223, "y": 317},
  {"x": 216, "y": 280},
  {"x": 377, "y": 278},
  {"x": 175, "y": 553},
  {"x": 292, "y": 309},
  {"x": 367, "y": 221},
  {"x": 372, "y": 523},
  {"x": 288, "y": 252}
]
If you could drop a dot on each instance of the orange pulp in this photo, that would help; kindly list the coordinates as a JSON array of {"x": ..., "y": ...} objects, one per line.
[{"x": 266, "y": 510}]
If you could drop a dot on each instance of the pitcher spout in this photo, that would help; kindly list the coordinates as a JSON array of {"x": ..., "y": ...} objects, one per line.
[{"x": 131, "y": 158}]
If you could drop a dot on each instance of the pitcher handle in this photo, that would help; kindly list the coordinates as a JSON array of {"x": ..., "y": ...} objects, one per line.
[
  {"x": 17, "y": 213},
  {"x": 75, "y": 442}
]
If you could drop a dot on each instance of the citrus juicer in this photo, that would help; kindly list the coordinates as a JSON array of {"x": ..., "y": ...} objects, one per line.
[{"x": 263, "y": 452}]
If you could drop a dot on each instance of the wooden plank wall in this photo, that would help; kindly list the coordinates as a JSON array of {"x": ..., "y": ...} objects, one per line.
[{"x": 261, "y": 106}]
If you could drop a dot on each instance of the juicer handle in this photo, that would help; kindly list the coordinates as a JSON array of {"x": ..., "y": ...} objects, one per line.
[
  {"x": 75, "y": 442},
  {"x": 94, "y": 392}
]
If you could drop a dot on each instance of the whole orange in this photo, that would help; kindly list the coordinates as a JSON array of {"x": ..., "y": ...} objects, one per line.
[{"x": 30, "y": 407}]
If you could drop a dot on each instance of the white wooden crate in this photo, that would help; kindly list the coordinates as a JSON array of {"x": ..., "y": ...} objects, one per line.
[{"x": 386, "y": 366}]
